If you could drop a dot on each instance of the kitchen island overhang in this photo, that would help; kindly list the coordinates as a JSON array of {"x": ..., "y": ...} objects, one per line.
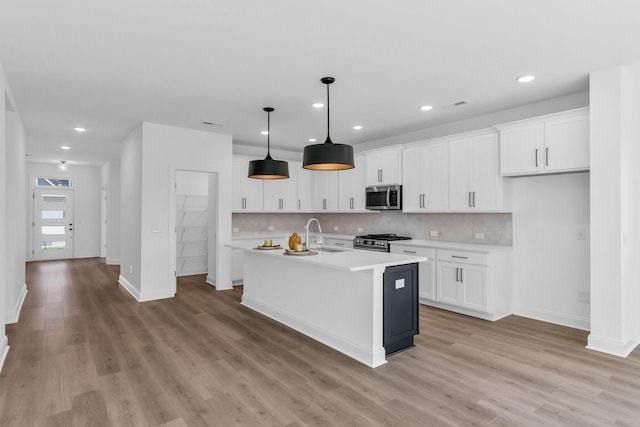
[{"x": 334, "y": 298}]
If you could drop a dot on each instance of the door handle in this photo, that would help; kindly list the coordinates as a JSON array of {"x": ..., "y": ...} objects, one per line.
[
  {"x": 546, "y": 156},
  {"x": 324, "y": 203},
  {"x": 457, "y": 274},
  {"x": 462, "y": 275},
  {"x": 351, "y": 202},
  {"x": 536, "y": 157}
]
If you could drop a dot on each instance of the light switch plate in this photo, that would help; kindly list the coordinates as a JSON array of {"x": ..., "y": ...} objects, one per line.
[
  {"x": 479, "y": 235},
  {"x": 270, "y": 228}
]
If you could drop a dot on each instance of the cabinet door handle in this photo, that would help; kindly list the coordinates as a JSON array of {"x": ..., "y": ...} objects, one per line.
[
  {"x": 299, "y": 204},
  {"x": 409, "y": 252},
  {"x": 457, "y": 274},
  {"x": 459, "y": 257},
  {"x": 474, "y": 199},
  {"x": 546, "y": 156},
  {"x": 244, "y": 203},
  {"x": 536, "y": 157},
  {"x": 339, "y": 244},
  {"x": 324, "y": 203},
  {"x": 462, "y": 274},
  {"x": 379, "y": 175},
  {"x": 351, "y": 202}
]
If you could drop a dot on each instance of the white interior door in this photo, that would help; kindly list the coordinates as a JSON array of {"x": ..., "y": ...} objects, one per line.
[{"x": 52, "y": 224}]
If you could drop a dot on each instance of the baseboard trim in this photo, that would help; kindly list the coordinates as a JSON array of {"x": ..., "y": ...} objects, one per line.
[
  {"x": 492, "y": 317},
  {"x": 613, "y": 347},
  {"x": 224, "y": 286},
  {"x": 211, "y": 280},
  {"x": 4, "y": 350},
  {"x": 129, "y": 288},
  {"x": 553, "y": 317},
  {"x": 14, "y": 314},
  {"x": 359, "y": 353},
  {"x": 112, "y": 261}
]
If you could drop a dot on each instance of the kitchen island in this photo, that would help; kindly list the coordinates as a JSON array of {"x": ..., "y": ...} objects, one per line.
[{"x": 333, "y": 297}]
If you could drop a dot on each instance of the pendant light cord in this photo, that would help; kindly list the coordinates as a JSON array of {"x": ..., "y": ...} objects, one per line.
[
  {"x": 328, "y": 115},
  {"x": 268, "y": 135}
]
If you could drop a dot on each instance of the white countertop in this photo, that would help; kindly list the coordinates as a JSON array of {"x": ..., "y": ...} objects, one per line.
[
  {"x": 438, "y": 244},
  {"x": 348, "y": 260}
]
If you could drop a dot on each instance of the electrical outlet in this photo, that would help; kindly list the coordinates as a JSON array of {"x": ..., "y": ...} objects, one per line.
[
  {"x": 360, "y": 229},
  {"x": 434, "y": 233},
  {"x": 479, "y": 235},
  {"x": 270, "y": 228},
  {"x": 236, "y": 229},
  {"x": 335, "y": 228}
]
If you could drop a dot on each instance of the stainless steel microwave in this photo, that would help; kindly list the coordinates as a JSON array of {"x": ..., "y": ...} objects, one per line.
[{"x": 384, "y": 197}]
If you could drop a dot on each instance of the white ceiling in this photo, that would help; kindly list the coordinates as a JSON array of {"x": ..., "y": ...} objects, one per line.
[{"x": 109, "y": 65}]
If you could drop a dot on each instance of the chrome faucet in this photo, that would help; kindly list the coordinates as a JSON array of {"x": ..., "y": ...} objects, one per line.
[{"x": 307, "y": 233}]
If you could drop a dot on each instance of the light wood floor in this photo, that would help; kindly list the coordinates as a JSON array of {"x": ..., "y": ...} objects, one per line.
[{"x": 84, "y": 353}]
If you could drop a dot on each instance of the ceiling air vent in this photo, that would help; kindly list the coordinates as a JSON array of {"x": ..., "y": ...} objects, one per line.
[{"x": 455, "y": 104}]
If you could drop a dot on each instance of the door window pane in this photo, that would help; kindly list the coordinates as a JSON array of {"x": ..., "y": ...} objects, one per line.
[
  {"x": 53, "y": 182},
  {"x": 52, "y": 246},
  {"x": 54, "y": 198},
  {"x": 52, "y": 214},
  {"x": 53, "y": 230}
]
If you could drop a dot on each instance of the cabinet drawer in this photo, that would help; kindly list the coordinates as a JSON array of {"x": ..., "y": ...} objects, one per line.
[
  {"x": 412, "y": 250},
  {"x": 342, "y": 243},
  {"x": 462, "y": 257}
]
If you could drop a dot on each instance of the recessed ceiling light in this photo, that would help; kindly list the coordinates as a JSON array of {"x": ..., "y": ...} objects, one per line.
[
  {"x": 313, "y": 139},
  {"x": 265, "y": 132},
  {"x": 79, "y": 129},
  {"x": 526, "y": 79},
  {"x": 65, "y": 147},
  {"x": 318, "y": 105},
  {"x": 426, "y": 107},
  {"x": 357, "y": 127}
]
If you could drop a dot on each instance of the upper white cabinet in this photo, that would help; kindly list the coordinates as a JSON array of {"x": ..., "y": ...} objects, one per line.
[
  {"x": 325, "y": 191},
  {"x": 305, "y": 187},
  {"x": 475, "y": 183},
  {"x": 246, "y": 192},
  {"x": 546, "y": 144},
  {"x": 383, "y": 166},
  {"x": 281, "y": 195},
  {"x": 425, "y": 174},
  {"x": 351, "y": 187}
]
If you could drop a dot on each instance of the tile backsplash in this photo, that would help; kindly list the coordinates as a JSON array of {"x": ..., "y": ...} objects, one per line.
[{"x": 451, "y": 227}]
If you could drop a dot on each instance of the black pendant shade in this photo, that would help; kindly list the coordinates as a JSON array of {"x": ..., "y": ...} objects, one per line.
[
  {"x": 328, "y": 156},
  {"x": 268, "y": 168}
]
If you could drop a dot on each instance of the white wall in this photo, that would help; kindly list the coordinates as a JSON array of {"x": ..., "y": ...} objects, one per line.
[
  {"x": 16, "y": 289},
  {"x": 615, "y": 209},
  {"x": 113, "y": 212},
  {"x": 130, "y": 211},
  {"x": 4, "y": 347},
  {"x": 156, "y": 152},
  {"x": 551, "y": 248},
  {"x": 86, "y": 207}
]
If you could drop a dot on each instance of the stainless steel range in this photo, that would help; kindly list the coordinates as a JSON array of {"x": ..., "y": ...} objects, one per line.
[{"x": 376, "y": 242}]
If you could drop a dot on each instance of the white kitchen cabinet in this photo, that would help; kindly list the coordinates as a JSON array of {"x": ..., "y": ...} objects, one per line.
[
  {"x": 246, "y": 192},
  {"x": 325, "y": 197},
  {"x": 351, "y": 187},
  {"x": 464, "y": 278},
  {"x": 426, "y": 270},
  {"x": 547, "y": 144},
  {"x": 462, "y": 285},
  {"x": 339, "y": 242},
  {"x": 475, "y": 183},
  {"x": 281, "y": 195},
  {"x": 305, "y": 187},
  {"x": 425, "y": 170},
  {"x": 383, "y": 166}
]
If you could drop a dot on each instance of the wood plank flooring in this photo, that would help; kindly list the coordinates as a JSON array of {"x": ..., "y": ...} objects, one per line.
[{"x": 84, "y": 353}]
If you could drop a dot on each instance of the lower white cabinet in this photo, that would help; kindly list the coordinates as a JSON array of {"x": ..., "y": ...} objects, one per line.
[
  {"x": 472, "y": 282},
  {"x": 462, "y": 285},
  {"x": 426, "y": 270},
  {"x": 338, "y": 242}
]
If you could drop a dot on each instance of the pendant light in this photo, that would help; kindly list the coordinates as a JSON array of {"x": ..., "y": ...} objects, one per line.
[
  {"x": 268, "y": 168},
  {"x": 328, "y": 156}
]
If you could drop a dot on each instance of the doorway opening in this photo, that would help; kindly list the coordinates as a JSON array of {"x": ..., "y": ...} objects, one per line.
[{"x": 195, "y": 202}]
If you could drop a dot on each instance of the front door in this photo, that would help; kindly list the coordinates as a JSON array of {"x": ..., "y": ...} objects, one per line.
[{"x": 52, "y": 224}]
